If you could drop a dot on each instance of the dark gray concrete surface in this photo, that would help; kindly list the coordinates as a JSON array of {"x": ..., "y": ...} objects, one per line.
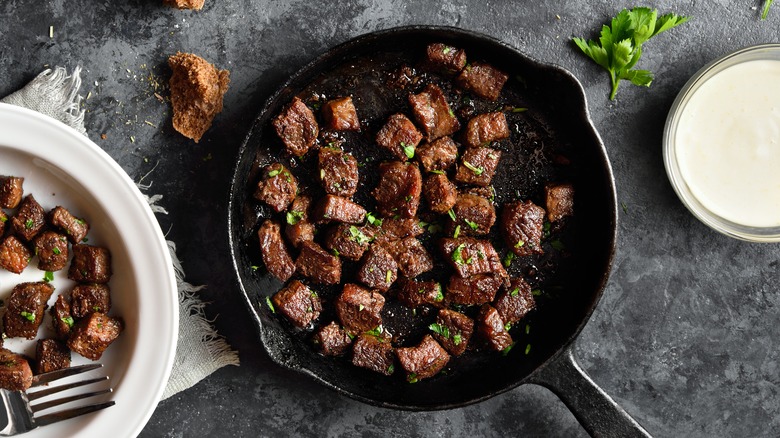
[{"x": 685, "y": 337}]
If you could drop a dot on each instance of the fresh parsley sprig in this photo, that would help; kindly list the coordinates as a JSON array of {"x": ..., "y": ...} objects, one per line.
[
  {"x": 767, "y": 4},
  {"x": 620, "y": 44}
]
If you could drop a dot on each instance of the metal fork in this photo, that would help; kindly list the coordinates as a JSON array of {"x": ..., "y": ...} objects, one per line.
[{"x": 20, "y": 411}]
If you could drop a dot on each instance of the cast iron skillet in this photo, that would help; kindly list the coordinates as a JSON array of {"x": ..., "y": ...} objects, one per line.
[{"x": 558, "y": 114}]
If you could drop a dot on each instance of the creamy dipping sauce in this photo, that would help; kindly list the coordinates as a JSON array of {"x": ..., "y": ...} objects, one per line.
[{"x": 728, "y": 143}]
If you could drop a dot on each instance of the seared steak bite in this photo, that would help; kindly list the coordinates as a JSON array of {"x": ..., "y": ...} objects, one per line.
[
  {"x": 440, "y": 193},
  {"x": 482, "y": 79},
  {"x": 399, "y": 136},
  {"x": 14, "y": 256},
  {"x": 340, "y": 115},
  {"x": 61, "y": 319},
  {"x": 75, "y": 228},
  {"x": 522, "y": 224},
  {"x": 29, "y": 219},
  {"x": 374, "y": 353},
  {"x": 439, "y": 155},
  {"x": 476, "y": 289},
  {"x": 444, "y": 58},
  {"x": 90, "y": 264},
  {"x": 399, "y": 188},
  {"x": 338, "y": 172},
  {"x": 92, "y": 335},
  {"x": 51, "y": 355},
  {"x": 471, "y": 256},
  {"x": 273, "y": 251},
  {"x": 393, "y": 228},
  {"x": 491, "y": 328},
  {"x": 15, "y": 372},
  {"x": 423, "y": 361},
  {"x": 333, "y": 340},
  {"x": 88, "y": 298},
  {"x": 478, "y": 166},
  {"x": 486, "y": 128},
  {"x": 474, "y": 214},
  {"x": 24, "y": 309},
  {"x": 299, "y": 227},
  {"x": 337, "y": 209},
  {"x": 515, "y": 301},
  {"x": 298, "y": 303},
  {"x": 560, "y": 201},
  {"x": 433, "y": 113},
  {"x": 453, "y": 331},
  {"x": 349, "y": 241},
  {"x": 277, "y": 187},
  {"x": 359, "y": 309},
  {"x": 414, "y": 294},
  {"x": 52, "y": 251},
  {"x": 410, "y": 255},
  {"x": 11, "y": 191},
  {"x": 379, "y": 269},
  {"x": 297, "y": 127},
  {"x": 317, "y": 264}
]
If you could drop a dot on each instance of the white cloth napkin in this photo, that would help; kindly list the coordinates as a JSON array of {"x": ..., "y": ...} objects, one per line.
[{"x": 200, "y": 350}]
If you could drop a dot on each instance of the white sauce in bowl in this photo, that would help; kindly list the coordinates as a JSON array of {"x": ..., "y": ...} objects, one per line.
[{"x": 728, "y": 143}]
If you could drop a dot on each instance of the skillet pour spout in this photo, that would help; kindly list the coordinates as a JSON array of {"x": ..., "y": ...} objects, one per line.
[{"x": 557, "y": 119}]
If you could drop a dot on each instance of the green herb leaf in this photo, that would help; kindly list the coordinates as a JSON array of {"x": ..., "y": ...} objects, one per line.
[
  {"x": 27, "y": 315},
  {"x": 358, "y": 235},
  {"x": 457, "y": 339},
  {"x": 389, "y": 276},
  {"x": 447, "y": 50},
  {"x": 56, "y": 251},
  {"x": 29, "y": 224},
  {"x": 519, "y": 110},
  {"x": 48, "y": 276},
  {"x": 508, "y": 259},
  {"x": 514, "y": 292},
  {"x": 527, "y": 328},
  {"x": 507, "y": 326},
  {"x": 361, "y": 307},
  {"x": 440, "y": 330},
  {"x": 519, "y": 244},
  {"x": 408, "y": 150},
  {"x": 254, "y": 267},
  {"x": 438, "y": 172},
  {"x": 294, "y": 216},
  {"x": 390, "y": 369},
  {"x": 376, "y": 331},
  {"x": 3, "y": 219},
  {"x": 335, "y": 252},
  {"x": 457, "y": 255},
  {"x": 473, "y": 225},
  {"x": 274, "y": 172},
  {"x": 412, "y": 378},
  {"x": 452, "y": 215},
  {"x": 373, "y": 220},
  {"x": 457, "y": 232},
  {"x": 270, "y": 304},
  {"x": 477, "y": 170},
  {"x": 506, "y": 350},
  {"x": 527, "y": 348},
  {"x": 767, "y": 4},
  {"x": 439, "y": 295},
  {"x": 67, "y": 320}
]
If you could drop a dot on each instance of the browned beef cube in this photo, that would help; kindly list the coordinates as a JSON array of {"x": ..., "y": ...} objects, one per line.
[
  {"x": 424, "y": 360},
  {"x": 453, "y": 331},
  {"x": 444, "y": 58},
  {"x": 414, "y": 294},
  {"x": 277, "y": 187},
  {"x": 487, "y": 192},
  {"x": 476, "y": 289},
  {"x": 522, "y": 224},
  {"x": 52, "y": 251},
  {"x": 399, "y": 136},
  {"x": 75, "y": 228},
  {"x": 411, "y": 256},
  {"x": 491, "y": 329},
  {"x": 3, "y": 221},
  {"x": 393, "y": 228},
  {"x": 560, "y": 201},
  {"x": 11, "y": 191},
  {"x": 482, "y": 79},
  {"x": 298, "y": 303},
  {"x": 338, "y": 172},
  {"x": 379, "y": 269},
  {"x": 88, "y": 298},
  {"x": 359, "y": 309},
  {"x": 299, "y": 233},
  {"x": 299, "y": 229},
  {"x": 24, "y": 309},
  {"x": 14, "y": 256},
  {"x": 374, "y": 353},
  {"x": 438, "y": 155},
  {"x": 333, "y": 340},
  {"x": 51, "y": 355},
  {"x": 273, "y": 251},
  {"x": 515, "y": 302},
  {"x": 61, "y": 319},
  {"x": 92, "y": 335},
  {"x": 90, "y": 264},
  {"x": 317, "y": 264},
  {"x": 349, "y": 241},
  {"x": 399, "y": 188},
  {"x": 337, "y": 209},
  {"x": 29, "y": 219},
  {"x": 486, "y": 128},
  {"x": 15, "y": 372},
  {"x": 478, "y": 166},
  {"x": 474, "y": 214},
  {"x": 471, "y": 256},
  {"x": 440, "y": 193},
  {"x": 297, "y": 127},
  {"x": 340, "y": 115},
  {"x": 433, "y": 113}
]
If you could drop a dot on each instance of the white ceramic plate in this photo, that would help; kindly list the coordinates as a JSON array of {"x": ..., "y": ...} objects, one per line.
[{"x": 63, "y": 167}]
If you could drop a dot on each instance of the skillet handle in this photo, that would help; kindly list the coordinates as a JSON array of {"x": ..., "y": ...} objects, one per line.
[{"x": 593, "y": 408}]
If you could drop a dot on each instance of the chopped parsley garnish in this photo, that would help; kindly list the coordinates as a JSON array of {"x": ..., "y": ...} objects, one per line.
[
  {"x": 440, "y": 330},
  {"x": 545, "y": 230},
  {"x": 527, "y": 348},
  {"x": 27, "y": 315},
  {"x": 3, "y": 219},
  {"x": 254, "y": 267},
  {"x": 477, "y": 170},
  {"x": 767, "y": 4},
  {"x": 67, "y": 320},
  {"x": 536, "y": 292},
  {"x": 438, "y": 172},
  {"x": 335, "y": 252},
  {"x": 514, "y": 292},
  {"x": 48, "y": 276},
  {"x": 390, "y": 369},
  {"x": 412, "y": 378},
  {"x": 274, "y": 172},
  {"x": 519, "y": 244},
  {"x": 451, "y": 212},
  {"x": 358, "y": 235},
  {"x": 519, "y": 110},
  {"x": 508, "y": 259},
  {"x": 457, "y": 339},
  {"x": 376, "y": 331},
  {"x": 527, "y": 328},
  {"x": 557, "y": 244},
  {"x": 270, "y": 304},
  {"x": 408, "y": 150},
  {"x": 29, "y": 224},
  {"x": 457, "y": 232},
  {"x": 507, "y": 326},
  {"x": 389, "y": 276},
  {"x": 434, "y": 228},
  {"x": 439, "y": 295},
  {"x": 506, "y": 350},
  {"x": 56, "y": 251},
  {"x": 470, "y": 260},
  {"x": 447, "y": 50},
  {"x": 373, "y": 220},
  {"x": 351, "y": 336},
  {"x": 314, "y": 294},
  {"x": 457, "y": 255},
  {"x": 294, "y": 216},
  {"x": 473, "y": 225},
  {"x": 80, "y": 221}
]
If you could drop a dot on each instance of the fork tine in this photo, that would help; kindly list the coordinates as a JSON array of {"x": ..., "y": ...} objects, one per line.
[
  {"x": 31, "y": 396},
  {"x": 50, "y": 404},
  {"x": 42, "y": 379},
  {"x": 70, "y": 413}
]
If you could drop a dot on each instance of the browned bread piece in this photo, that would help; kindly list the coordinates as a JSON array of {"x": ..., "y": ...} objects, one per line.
[
  {"x": 186, "y": 4},
  {"x": 197, "y": 88}
]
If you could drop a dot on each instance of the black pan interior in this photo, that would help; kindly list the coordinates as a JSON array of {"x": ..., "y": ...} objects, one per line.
[{"x": 555, "y": 125}]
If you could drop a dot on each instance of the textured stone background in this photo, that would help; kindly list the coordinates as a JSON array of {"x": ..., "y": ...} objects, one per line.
[{"x": 685, "y": 337}]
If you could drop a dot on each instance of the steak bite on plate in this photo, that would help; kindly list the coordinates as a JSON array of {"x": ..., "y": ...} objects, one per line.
[
  {"x": 298, "y": 303},
  {"x": 379, "y": 269},
  {"x": 338, "y": 172},
  {"x": 359, "y": 309},
  {"x": 374, "y": 353},
  {"x": 88, "y": 298},
  {"x": 482, "y": 79},
  {"x": 440, "y": 193},
  {"x": 413, "y": 294},
  {"x": 486, "y": 128},
  {"x": 52, "y": 251},
  {"x": 61, "y": 318},
  {"x": 410, "y": 255},
  {"x": 472, "y": 290},
  {"x": 15, "y": 372},
  {"x": 454, "y": 331},
  {"x": 433, "y": 113},
  {"x": 399, "y": 189},
  {"x": 75, "y": 228},
  {"x": 399, "y": 136},
  {"x": 333, "y": 340},
  {"x": 515, "y": 301},
  {"x": 474, "y": 214},
  {"x": 51, "y": 355},
  {"x": 349, "y": 241},
  {"x": 439, "y": 155},
  {"x": 396, "y": 228},
  {"x": 273, "y": 251},
  {"x": 25, "y": 309},
  {"x": 478, "y": 166},
  {"x": 29, "y": 219},
  {"x": 320, "y": 266},
  {"x": 90, "y": 264},
  {"x": 14, "y": 255},
  {"x": 423, "y": 360},
  {"x": 11, "y": 191},
  {"x": 91, "y": 336},
  {"x": 277, "y": 187},
  {"x": 340, "y": 115},
  {"x": 522, "y": 224},
  {"x": 299, "y": 228},
  {"x": 491, "y": 328},
  {"x": 445, "y": 59},
  {"x": 559, "y": 201},
  {"x": 297, "y": 127},
  {"x": 338, "y": 209},
  {"x": 470, "y": 256}
]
